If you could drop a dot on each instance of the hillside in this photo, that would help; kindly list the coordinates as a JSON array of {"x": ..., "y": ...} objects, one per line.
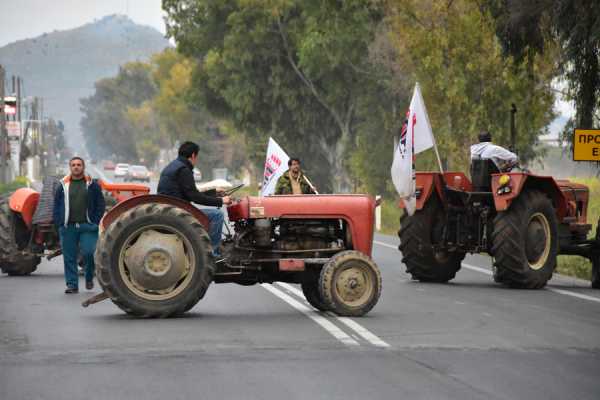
[{"x": 62, "y": 66}]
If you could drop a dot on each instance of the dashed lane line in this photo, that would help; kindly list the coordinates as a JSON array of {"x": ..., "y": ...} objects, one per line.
[
  {"x": 488, "y": 272},
  {"x": 319, "y": 319},
  {"x": 350, "y": 323}
]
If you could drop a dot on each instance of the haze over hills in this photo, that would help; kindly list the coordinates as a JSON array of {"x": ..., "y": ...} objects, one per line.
[{"x": 62, "y": 66}]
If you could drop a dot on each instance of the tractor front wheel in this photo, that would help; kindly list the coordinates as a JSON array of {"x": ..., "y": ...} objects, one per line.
[
  {"x": 525, "y": 242},
  {"x": 12, "y": 260},
  {"x": 418, "y": 235},
  {"x": 350, "y": 284},
  {"x": 310, "y": 288},
  {"x": 155, "y": 260}
]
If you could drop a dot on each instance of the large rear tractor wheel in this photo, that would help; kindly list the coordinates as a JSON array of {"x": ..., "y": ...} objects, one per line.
[
  {"x": 350, "y": 284},
  {"x": 418, "y": 234},
  {"x": 155, "y": 261},
  {"x": 12, "y": 259},
  {"x": 310, "y": 288},
  {"x": 525, "y": 242}
]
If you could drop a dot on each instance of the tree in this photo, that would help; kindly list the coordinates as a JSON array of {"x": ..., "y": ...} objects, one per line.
[
  {"x": 294, "y": 70},
  {"x": 451, "y": 49},
  {"x": 572, "y": 26},
  {"x": 105, "y": 126}
]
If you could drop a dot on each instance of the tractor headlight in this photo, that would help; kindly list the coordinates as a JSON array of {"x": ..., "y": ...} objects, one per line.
[{"x": 504, "y": 184}]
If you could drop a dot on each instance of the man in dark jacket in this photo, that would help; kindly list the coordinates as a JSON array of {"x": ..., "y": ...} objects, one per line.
[
  {"x": 177, "y": 180},
  {"x": 78, "y": 209},
  {"x": 293, "y": 180}
]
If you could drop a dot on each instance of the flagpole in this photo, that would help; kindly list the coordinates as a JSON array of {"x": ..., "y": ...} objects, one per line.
[
  {"x": 437, "y": 154},
  {"x": 438, "y": 157},
  {"x": 310, "y": 184}
]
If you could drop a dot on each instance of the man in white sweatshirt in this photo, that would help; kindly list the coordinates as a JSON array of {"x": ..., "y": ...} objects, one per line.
[{"x": 485, "y": 150}]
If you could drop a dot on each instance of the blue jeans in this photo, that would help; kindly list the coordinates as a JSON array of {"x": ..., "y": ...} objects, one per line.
[
  {"x": 215, "y": 231},
  {"x": 75, "y": 239}
]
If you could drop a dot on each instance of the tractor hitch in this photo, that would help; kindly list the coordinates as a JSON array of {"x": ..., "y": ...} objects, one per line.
[{"x": 95, "y": 299}]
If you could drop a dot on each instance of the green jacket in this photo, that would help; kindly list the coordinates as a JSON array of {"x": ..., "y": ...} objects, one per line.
[{"x": 284, "y": 184}]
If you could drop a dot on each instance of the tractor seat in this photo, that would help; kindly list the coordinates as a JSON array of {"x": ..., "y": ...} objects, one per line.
[{"x": 481, "y": 174}]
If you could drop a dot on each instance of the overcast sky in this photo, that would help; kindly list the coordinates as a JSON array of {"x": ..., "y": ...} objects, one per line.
[{"x": 22, "y": 19}]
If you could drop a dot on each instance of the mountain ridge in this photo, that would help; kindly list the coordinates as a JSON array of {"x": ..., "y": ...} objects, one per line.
[{"x": 62, "y": 66}]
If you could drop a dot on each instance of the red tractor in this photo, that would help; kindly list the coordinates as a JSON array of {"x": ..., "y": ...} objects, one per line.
[
  {"x": 522, "y": 220},
  {"x": 154, "y": 257},
  {"x": 27, "y": 232}
]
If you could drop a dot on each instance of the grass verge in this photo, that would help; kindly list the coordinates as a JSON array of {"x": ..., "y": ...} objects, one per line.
[{"x": 19, "y": 182}]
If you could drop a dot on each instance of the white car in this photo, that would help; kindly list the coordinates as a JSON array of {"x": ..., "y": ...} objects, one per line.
[
  {"x": 121, "y": 170},
  {"x": 138, "y": 173}
]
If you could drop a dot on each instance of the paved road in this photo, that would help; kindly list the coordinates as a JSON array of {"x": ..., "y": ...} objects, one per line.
[{"x": 470, "y": 339}]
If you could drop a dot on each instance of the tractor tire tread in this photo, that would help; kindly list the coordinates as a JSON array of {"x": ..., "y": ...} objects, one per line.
[{"x": 104, "y": 256}]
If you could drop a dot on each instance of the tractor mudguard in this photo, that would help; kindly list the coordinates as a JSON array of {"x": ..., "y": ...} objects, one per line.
[
  {"x": 24, "y": 201},
  {"x": 135, "y": 201},
  {"x": 427, "y": 182},
  {"x": 520, "y": 181},
  {"x": 123, "y": 191}
]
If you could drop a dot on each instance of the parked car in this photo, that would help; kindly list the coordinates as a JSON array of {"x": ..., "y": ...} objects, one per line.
[
  {"x": 121, "y": 170},
  {"x": 108, "y": 165},
  {"x": 138, "y": 173}
]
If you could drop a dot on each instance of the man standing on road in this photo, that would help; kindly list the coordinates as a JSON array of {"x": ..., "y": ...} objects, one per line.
[
  {"x": 177, "y": 180},
  {"x": 78, "y": 208},
  {"x": 293, "y": 181}
]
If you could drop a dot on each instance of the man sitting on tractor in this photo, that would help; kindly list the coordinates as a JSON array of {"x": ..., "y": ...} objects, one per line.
[
  {"x": 485, "y": 150},
  {"x": 293, "y": 181},
  {"x": 177, "y": 180}
]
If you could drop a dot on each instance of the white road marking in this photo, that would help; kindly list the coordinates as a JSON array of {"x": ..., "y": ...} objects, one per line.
[
  {"x": 488, "y": 272},
  {"x": 362, "y": 331},
  {"x": 573, "y": 294},
  {"x": 322, "y": 321},
  {"x": 385, "y": 244},
  {"x": 350, "y": 323},
  {"x": 478, "y": 269}
]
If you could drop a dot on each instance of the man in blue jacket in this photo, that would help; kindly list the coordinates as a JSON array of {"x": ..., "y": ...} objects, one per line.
[
  {"x": 177, "y": 180},
  {"x": 78, "y": 208}
]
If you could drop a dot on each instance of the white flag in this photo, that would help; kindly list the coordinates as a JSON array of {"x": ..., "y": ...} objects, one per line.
[
  {"x": 415, "y": 137},
  {"x": 423, "y": 136},
  {"x": 275, "y": 165}
]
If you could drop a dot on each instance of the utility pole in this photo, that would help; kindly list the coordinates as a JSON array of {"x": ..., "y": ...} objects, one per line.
[{"x": 3, "y": 134}]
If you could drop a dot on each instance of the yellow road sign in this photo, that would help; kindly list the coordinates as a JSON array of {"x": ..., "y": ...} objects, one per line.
[{"x": 586, "y": 145}]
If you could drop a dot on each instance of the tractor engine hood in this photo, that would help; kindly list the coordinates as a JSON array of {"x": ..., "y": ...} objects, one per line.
[{"x": 357, "y": 210}]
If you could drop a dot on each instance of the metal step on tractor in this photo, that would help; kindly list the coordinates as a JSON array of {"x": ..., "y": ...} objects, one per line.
[
  {"x": 154, "y": 258},
  {"x": 27, "y": 232},
  {"x": 522, "y": 220}
]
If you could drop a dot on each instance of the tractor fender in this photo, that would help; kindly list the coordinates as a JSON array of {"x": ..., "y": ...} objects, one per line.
[
  {"x": 520, "y": 182},
  {"x": 135, "y": 201},
  {"x": 428, "y": 182},
  {"x": 24, "y": 201}
]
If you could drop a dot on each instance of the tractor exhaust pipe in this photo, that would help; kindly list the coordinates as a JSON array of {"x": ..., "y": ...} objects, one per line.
[{"x": 513, "y": 129}]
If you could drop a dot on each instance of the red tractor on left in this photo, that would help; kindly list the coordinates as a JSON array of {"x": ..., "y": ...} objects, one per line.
[{"x": 27, "y": 232}]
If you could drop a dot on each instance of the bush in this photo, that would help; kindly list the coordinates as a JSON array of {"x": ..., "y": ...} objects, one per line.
[
  {"x": 390, "y": 217},
  {"x": 19, "y": 182}
]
